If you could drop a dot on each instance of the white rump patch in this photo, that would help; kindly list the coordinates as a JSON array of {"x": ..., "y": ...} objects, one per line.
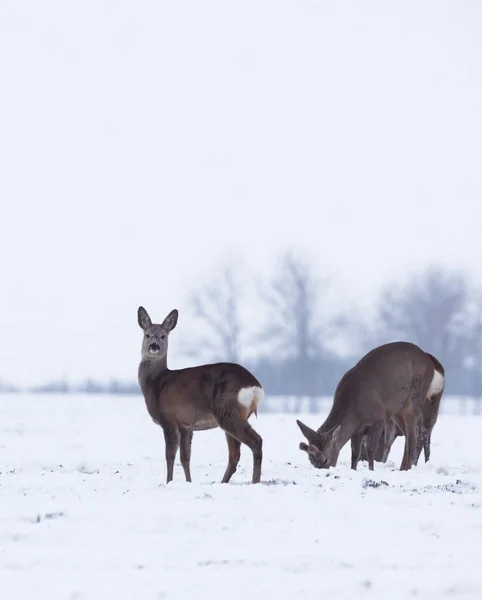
[
  {"x": 437, "y": 384},
  {"x": 250, "y": 397}
]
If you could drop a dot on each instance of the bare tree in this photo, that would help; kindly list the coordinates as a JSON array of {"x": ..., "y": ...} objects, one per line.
[
  {"x": 216, "y": 307},
  {"x": 429, "y": 310},
  {"x": 296, "y": 331}
]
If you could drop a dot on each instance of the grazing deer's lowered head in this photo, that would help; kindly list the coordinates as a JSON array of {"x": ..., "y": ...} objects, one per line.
[{"x": 322, "y": 449}]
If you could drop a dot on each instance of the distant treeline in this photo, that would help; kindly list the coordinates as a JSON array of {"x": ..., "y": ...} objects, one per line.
[
  {"x": 301, "y": 342},
  {"x": 63, "y": 386}
]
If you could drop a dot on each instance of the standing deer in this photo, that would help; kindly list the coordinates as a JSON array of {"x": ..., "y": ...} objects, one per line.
[
  {"x": 181, "y": 401},
  {"x": 391, "y": 381}
]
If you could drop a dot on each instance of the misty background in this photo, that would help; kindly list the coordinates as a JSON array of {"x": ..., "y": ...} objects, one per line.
[{"x": 300, "y": 179}]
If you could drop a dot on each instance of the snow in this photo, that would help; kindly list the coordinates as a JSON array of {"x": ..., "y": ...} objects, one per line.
[{"x": 85, "y": 513}]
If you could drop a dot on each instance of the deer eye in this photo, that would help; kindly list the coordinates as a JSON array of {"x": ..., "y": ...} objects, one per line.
[
  {"x": 163, "y": 336},
  {"x": 147, "y": 335}
]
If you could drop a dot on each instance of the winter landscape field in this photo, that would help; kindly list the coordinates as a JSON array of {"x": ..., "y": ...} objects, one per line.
[{"x": 84, "y": 512}]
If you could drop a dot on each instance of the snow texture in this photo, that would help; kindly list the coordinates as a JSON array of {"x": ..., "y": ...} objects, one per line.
[{"x": 85, "y": 512}]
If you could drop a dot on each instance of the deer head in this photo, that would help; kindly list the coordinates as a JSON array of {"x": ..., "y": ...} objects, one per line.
[
  {"x": 322, "y": 447},
  {"x": 154, "y": 343}
]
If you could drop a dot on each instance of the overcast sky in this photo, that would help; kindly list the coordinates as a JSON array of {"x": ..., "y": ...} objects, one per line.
[{"x": 143, "y": 142}]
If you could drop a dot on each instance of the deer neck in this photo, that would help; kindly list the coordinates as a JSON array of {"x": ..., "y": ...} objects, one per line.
[
  {"x": 151, "y": 369},
  {"x": 348, "y": 428}
]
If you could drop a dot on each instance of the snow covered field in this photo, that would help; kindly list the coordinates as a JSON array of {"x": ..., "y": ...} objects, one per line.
[{"x": 84, "y": 512}]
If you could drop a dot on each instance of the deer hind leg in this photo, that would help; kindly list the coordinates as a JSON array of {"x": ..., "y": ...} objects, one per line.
[
  {"x": 420, "y": 440},
  {"x": 238, "y": 427},
  {"x": 186, "y": 443},
  {"x": 253, "y": 440},
  {"x": 430, "y": 418},
  {"x": 234, "y": 448},
  {"x": 407, "y": 421},
  {"x": 171, "y": 436},
  {"x": 420, "y": 434},
  {"x": 426, "y": 444}
]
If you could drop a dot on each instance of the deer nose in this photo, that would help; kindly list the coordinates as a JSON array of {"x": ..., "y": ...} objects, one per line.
[{"x": 154, "y": 347}]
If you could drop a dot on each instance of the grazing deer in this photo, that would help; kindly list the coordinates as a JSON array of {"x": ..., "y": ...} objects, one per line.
[
  {"x": 391, "y": 381},
  {"x": 186, "y": 400}
]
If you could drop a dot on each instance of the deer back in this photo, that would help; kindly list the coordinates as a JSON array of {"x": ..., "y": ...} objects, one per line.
[{"x": 381, "y": 382}]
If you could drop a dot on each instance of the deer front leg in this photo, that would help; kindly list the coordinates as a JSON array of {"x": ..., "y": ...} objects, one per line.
[
  {"x": 186, "y": 442},
  {"x": 356, "y": 448},
  {"x": 386, "y": 442},
  {"x": 171, "y": 436},
  {"x": 373, "y": 440}
]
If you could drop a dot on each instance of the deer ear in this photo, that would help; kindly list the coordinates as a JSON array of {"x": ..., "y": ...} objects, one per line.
[
  {"x": 143, "y": 318},
  {"x": 306, "y": 431},
  {"x": 170, "y": 321}
]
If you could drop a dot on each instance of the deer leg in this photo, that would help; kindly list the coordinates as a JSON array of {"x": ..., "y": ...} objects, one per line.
[
  {"x": 426, "y": 443},
  {"x": 391, "y": 432},
  {"x": 363, "y": 448},
  {"x": 385, "y": 440},
  {"x": 255, "y": 442},
  {"x": 234, "y": 448},
  {"x": 401, "y": 424},
  {"x": 420, "y": 432},
  {"x": 432, "y": 419},
  {"x": 171, "y": 436},
  {"x": 411, "y": 440},
  {"x": 408, "y": 423},
  {"x": 186, "y": 442},
  {"x": 426, "y": 448},
  {"x": 380, "y": 450},
  {"x": 373, "y": 439},
  {"x": 356, "y": 448},
  {"x": 420, "y": 438},
  {"x": 241, "y": 430}
]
